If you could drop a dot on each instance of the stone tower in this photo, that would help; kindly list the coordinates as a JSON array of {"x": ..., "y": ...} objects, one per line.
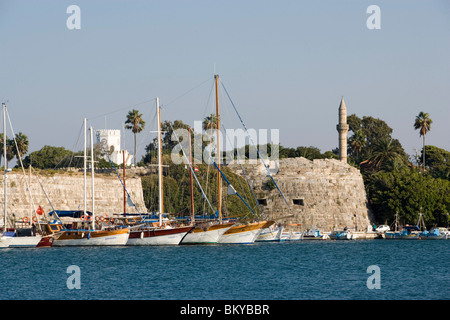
[{"x": 342, "y": 128}]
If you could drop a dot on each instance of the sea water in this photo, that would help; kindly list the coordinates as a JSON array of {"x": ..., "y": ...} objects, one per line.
[{"x": 294, "y": 270}]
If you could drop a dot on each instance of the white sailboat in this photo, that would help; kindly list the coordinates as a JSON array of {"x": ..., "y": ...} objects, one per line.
[
  {"x": 76, "y": 233},
  {"x": 12, "y": 238},
  {"x": 161, "y": 233},
  {"x": 240, "y": 233},
  {"x": 205, "y": 232}
]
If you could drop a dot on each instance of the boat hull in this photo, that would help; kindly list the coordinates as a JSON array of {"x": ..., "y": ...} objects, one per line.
[
  {"x": 270, "y": 234},
  {"x": 341, "y": 236},
  {"x": 243, "y": 234},
  {"x": 20, "y": 242},
  {"x": 400, "y": 236},
  {"x": 4, "y": 242},
  {"x": 157, "y": 237},
  {"x": 116, "y": 237},
  {"x": 209, "y": 235}
]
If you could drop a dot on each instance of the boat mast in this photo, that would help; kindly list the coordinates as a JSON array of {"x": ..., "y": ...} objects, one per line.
[
  {"x": 84, "y": 158},
  {"x": 160, "y": 177},
  {"x": 4, "y": 171},
  {"x": 192, "y": 185},
  {"x": 92, "y": 179},
  {"x": 219, "y": 177},
  {"x": 124, "y": 184}
]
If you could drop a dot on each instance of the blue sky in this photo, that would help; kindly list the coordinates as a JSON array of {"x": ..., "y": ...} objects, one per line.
[{"x": 286, "y": 65}]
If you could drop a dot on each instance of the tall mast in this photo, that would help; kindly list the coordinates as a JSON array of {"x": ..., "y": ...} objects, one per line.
[
  {"x": 92, "y": 179},
  {"x": 192, "y": 185},
  {"x": 5, "y": 165},
  {"x": 124, "y": 184},
  {"x": 219, "y": 177},
  {"x": 160, "y": 177},
  {"x": 84, "y": 158}
]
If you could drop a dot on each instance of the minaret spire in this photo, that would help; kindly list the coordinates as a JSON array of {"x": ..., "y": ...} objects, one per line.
[{"x": 342, "y": 128}]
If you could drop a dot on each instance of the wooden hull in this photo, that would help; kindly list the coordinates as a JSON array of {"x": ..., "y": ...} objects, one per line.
[
  {"x": 157, "y": 237},
  {"x": 243, "y": 234},
  {"x": 117, "y": 237},
  {"x": 47, "y": 241},
  {"x": 207, "y": 235}
]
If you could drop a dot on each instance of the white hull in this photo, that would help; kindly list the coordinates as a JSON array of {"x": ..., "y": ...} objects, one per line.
[
  {"x": 163, "y": 240},
  {"x": 24, "y": 242},
  {"x": 270, "y": 234},
  {"x": 4, "y": 242},
  {"x": 290, "y": 236},
  {"x": 110, "y": 240},
  {"x": 246, "y": 237},
  {"x": 209, "y": 236}
]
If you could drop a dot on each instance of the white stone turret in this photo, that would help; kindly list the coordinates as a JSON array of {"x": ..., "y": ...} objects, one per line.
[
  {"x": 342, "y": 128},
  {"x": 110, "y": 140}
]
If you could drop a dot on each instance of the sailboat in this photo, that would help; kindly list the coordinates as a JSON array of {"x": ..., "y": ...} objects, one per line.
[
  {"x": 204, "y": 232},
  {"x": 162, "y": 232},
  {"x": 14, "y": 237},
  {"x": 80, "y": 229},
  {"x": 239, "y": 233}
]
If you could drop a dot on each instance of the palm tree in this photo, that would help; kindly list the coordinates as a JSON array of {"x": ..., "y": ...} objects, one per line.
[
  {"x": 136, "y": 124},
  {"x": 423, "y": 124},
  {"x": 357, "y": 143},
  {"x": 385, "y": 151},
  {"x": 9, "y": 149},
  {"x": 210, "y": 122},
  {"x": 22, "y": 145}
]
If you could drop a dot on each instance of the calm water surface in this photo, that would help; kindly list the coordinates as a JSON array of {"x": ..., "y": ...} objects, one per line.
[{"x": 300, "y": 270}]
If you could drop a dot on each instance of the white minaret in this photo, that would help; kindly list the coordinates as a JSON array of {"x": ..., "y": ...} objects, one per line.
[{"x": 342, "y": 128}]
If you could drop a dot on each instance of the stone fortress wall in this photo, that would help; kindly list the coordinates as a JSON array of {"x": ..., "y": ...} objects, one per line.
[
  {"x": 327, "y": 194},
  {"x": 66, "y": 192}
]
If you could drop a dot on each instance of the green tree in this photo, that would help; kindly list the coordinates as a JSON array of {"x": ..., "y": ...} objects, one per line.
[
  {"x": 423, "y": 124},
  {"x": 371, "y": 144},
  {"x": 136, "y": 124},
  {"x": 21, "y": 148},
  {"x": 386, "y": 152},
  {"x": 210, "y": 122},
  {"x": 408, "y": 192},
  {"x": 9, "y": 148},
  {"x": 438, "y": 162},
  {"x": 357, "y": 143},
  {"x": 52, "y": 157}
]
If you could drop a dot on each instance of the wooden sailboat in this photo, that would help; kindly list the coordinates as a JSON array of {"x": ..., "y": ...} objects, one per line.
[
  {"x": 12, "y": 237},
  {"x": 162, "y": 233},
  {"x": 81, "y": 231},
  {"x": 206, "y": 232},
  {"x": 239, "y": 232}
]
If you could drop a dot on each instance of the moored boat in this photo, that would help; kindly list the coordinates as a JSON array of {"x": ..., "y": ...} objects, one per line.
[
  {"x": 244, "y": 233},
  {"x": 149, "y": 236},
  {"x": 73, "y": 231},
  {"x": 407, "y": 233},
  {"x": 207, "y": 233},
  {"x": 435, "y": 234},
  {"x": 272, "y": 233},
  {"x": 14, "y": 237},
  {"x": 313, "y": 234},
  {"x": 340, "y": 235}
]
